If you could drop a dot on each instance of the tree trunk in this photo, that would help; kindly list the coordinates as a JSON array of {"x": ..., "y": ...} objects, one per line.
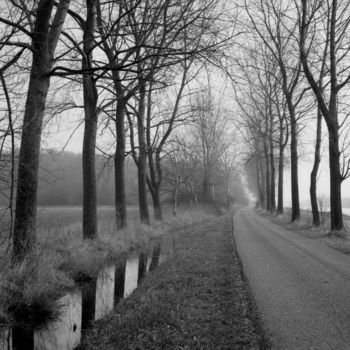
[
  {"x": 157, "y": 207},
  {"x": 294, "y": 167},
  {"x": 119, "y": 155},
  {"x": 280, "y": 207},
  {"x": 142, "y": 188},
  {"x": 142, "y": 159},
  {"x": 313, "y": 176},
  {"x": 119, "y": 166},
  {"x": 89, "y": 172},
  {"x": 330, "y": 114},
  {"x": 27, "y": 183},
  {"x": 154, "y": 180},
  {"x": 273, "y": 173},
  {"x": 154, "y": 188},
  {"x": 335, "y": 176},
  {"x": 228, "y": 203},
  {"x": 267, "y": 177},
  {"x": 44, "y": 41},
  {"x": 90, "y": 130},
  {"x": 283, "y": 139},
  {"x": 259, "y": 182}
]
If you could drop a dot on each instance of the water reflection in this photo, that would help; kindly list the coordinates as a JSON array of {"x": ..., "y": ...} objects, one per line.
[
  {"x": 92, "y": 301},
  {"x": 5, "y": 338},
  {"x": 142, "y": 267},
  {"x": 22, "y": 338},
  {"x": 105, "y": 292},
  {"x": 119, "y": 281},
  {"x": 131, "y": 274},
  {"x": 148, "y": 264},
  {"x": 65, "y": 333},
  {"x": 88, "y": 304},
  {"x": 155, "y": 257}
]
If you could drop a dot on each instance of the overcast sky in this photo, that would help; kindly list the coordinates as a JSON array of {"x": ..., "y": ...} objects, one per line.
[{"x": 58, "y": 132}]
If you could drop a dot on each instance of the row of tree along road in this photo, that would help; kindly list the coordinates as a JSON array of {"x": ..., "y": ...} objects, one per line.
[
  {"x": 295, "y": 65},
  {"x": 133, "y": 68},
  {"x": 139, "y": 72}
]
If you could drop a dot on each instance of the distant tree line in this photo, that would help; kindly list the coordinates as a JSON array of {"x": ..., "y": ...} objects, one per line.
[
  {"x": 294, "y": 70},
  {"x": 60, "y": 180}
]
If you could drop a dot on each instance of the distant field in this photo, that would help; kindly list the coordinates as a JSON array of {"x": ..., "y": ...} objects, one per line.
[
  {"x": 56, "y": 224},
  {"x": 57, "y": 217},
  {"x": 59, "y": 226}
]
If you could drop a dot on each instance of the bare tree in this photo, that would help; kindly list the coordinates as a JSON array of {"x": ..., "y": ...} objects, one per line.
[
  {"x": 90, "y": 97},
  {"x": 229, "y": 163},
  {"x": 111, "y": 25},
  {"x": 44, "y": 36},
  {"x": 334, "y": 44},
  {"x": 252, "y": 124},
  {"x": 145, "y": 38},
  {"x": 8, "y": 135},
  {"x": 259, "y": 107},
  {"x": 186, "y": 162},
  {"x": 184, "y": 31},
  {"x": 210, "y": 139},
  {"x": 273, "y": 23},
  {"x": 180, "y": 173},
  {"x": 283, "y": 137},
  {"x": 159, "y": 127}
]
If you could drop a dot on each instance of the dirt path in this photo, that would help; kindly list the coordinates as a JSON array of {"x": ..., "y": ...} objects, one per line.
[
  {"x": 301, "y": 287},
  {"x": 195, "y": 300}
]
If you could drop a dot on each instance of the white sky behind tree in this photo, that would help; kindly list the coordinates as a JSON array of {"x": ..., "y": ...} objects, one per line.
[{"x": 58, "y": 135}]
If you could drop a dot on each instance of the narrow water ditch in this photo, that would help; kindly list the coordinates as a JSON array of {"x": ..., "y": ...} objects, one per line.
[{"x": 92, "y": 301}]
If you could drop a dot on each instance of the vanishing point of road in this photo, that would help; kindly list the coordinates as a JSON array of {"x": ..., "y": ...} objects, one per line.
[{"x": 301, "y": 287}]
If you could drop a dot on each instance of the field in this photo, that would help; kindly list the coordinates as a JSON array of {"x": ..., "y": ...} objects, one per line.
[
  {"x": 59, "y": 227},
  {"x": 336, "y": 240},
  {"x": 63, "y": 224}
]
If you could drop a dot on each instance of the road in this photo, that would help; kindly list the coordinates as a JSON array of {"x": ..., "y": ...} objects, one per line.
[{"x": 302, "y": 288}]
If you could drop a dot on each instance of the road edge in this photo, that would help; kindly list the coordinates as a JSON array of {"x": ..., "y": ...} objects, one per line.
[{"x": 255, "y": 316}]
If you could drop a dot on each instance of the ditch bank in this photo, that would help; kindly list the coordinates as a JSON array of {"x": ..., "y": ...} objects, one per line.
[
  {"x": 43, "y": 313},
  {"x": 197, "y": 299},
  {"x": 93, "y": 300}
]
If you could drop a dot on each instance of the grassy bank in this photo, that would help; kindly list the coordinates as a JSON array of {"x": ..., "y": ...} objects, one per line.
[
  {"x": 336, "y": 240},
  {"x": 195, "y": 300},
  {"x": 63, "y": 259}
]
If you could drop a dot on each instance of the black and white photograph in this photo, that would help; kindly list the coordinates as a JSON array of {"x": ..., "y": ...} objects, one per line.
[{"x": 174, "y": 174}]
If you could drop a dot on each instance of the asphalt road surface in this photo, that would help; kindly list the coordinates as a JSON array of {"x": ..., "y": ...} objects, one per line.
[{"x": 302, "y": 288}]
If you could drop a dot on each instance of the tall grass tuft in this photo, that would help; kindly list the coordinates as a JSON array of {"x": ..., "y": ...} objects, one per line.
[{"x": 28, "y": 291}]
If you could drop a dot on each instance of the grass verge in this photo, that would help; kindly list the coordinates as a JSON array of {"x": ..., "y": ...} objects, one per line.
[
  {"x": 336, "y": 240},
  {"x": 195, "y": 300}
]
